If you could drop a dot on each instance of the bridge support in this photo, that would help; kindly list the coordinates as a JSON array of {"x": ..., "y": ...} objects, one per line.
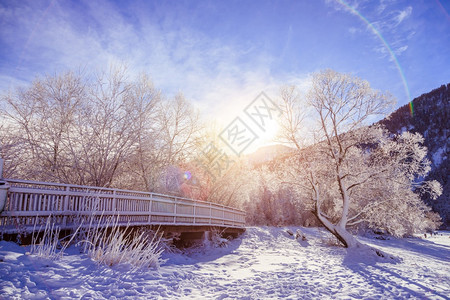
[
  {"x": 186, "y": 236},
  {"x": 182, "y": 236}
]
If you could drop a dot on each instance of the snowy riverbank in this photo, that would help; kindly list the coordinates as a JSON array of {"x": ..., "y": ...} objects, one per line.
[{"x": 265, "y": 263}]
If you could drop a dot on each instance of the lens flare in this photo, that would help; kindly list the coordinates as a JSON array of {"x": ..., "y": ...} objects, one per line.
[
  {"x": 411, "y": 108},
  {"x": 187, "y": 175}
]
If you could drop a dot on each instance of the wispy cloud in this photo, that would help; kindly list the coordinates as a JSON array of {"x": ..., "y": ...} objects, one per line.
[
  {"x": 403, "y": 14},
  {"x": 218, "y": 76},
  {"x": 353, "y": 30},
  {"x": 219, "y": 55},
  {"x": 400, "y": 50},
  {"x": 385, "y": 20},
  {"x": 381, "y": 7}
]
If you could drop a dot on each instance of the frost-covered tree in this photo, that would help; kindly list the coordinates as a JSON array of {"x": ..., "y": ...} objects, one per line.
[
  {"x": 356, "y": 173},
  {"x": 106, "y": 129},
  {"x": 388, "y": 195},
  {"x": 39, "y": 119},
  {"x": 167, "y": 134}
]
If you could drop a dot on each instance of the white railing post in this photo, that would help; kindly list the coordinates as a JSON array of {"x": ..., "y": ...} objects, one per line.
[
  {"x": 223, "y": 214},
  {"x": 210, "y": 213},
  {"x": 114, "y": 202},
  {"x": 67, "y": 199},
  {"x": 195, "y": 211},
  {"x": 65, "y": 205},
  {"x": 175, "y": 210},
  {"x": 1, "y": 168},
  {"x": 151, "y": 209}
]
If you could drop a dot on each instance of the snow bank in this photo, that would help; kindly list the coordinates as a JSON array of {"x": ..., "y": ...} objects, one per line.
[{"x": 264, "y": 263}]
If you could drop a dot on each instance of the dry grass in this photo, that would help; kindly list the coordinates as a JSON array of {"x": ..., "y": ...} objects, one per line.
[
  {"x": 103, "y": 239},
  {"x": 49, "y": 246},
  {"x": 109, "y": 244}
]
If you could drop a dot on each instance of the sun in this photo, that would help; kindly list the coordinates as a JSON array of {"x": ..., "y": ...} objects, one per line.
[{"x": 265, "y": 138}]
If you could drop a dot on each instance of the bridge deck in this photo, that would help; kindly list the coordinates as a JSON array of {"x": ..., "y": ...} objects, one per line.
[{"x": 30, "y": 203}]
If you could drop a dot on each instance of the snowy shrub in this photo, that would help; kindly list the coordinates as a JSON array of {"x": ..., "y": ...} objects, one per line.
[
  {"x": 217, "y": 241},
  {"x": 327, "y": 239},
  {"x": 331, "y": 241},
  {"x": 167, "y": 244},
  {"x": 273, "y": 203}
]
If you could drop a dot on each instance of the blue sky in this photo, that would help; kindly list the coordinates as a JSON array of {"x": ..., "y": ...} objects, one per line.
[{"x": 222, "y": 54}]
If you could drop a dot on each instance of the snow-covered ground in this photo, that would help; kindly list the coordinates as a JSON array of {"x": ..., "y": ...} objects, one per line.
[{"x": 264, "y": 263}]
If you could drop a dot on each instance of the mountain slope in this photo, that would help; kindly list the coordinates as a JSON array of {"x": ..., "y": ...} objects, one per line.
[{"x": 430, "y": 116}]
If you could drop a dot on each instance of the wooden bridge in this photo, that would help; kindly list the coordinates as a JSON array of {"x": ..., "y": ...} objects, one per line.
[{"x": 29, "y": 204}]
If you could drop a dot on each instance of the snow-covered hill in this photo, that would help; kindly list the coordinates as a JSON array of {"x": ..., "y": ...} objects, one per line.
[
  {"x": 264, "y": 263},
  {"x": 429, "y": 115}
]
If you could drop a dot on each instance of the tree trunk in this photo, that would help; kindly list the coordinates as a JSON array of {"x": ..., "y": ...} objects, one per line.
[
  {"x": 347, "y": 239},
  {"x": 338, "y": 230}
]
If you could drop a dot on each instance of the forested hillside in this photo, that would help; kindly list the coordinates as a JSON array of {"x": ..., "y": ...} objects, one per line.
[{"x": 429, "y": 115}]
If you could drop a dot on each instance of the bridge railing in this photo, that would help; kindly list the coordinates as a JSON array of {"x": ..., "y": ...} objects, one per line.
[{"x": 30, "y": 203}]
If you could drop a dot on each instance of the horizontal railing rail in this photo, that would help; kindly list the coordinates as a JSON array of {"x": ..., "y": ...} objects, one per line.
[{"x": 31, "y": 203}]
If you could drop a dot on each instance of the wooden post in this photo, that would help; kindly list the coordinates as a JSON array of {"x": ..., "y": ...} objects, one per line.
[
  {"x": 223, "y": 214},
  {"x": 210, "y": 213},
  {"x": 114, "y": 203},
  {"x": 195, "y": 211},
  {"x": 1, "y": 168},
  {"x": 151, "y": 209},
  {"x": 175, "y": 210},
  {"x": 66, "y": 205}
]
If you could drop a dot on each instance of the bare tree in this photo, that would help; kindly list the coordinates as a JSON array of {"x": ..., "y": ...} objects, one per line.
[
  {"x": 41, "y": 118},
  {"x": 107, "y": 128},
  {"x": 142, "y": 110},
  {"x": 179, "y": 122},
  {"x": 179, "y": 127},
  {"x": 74, "y": 129},
  {"x": 345, "y": 166}
]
